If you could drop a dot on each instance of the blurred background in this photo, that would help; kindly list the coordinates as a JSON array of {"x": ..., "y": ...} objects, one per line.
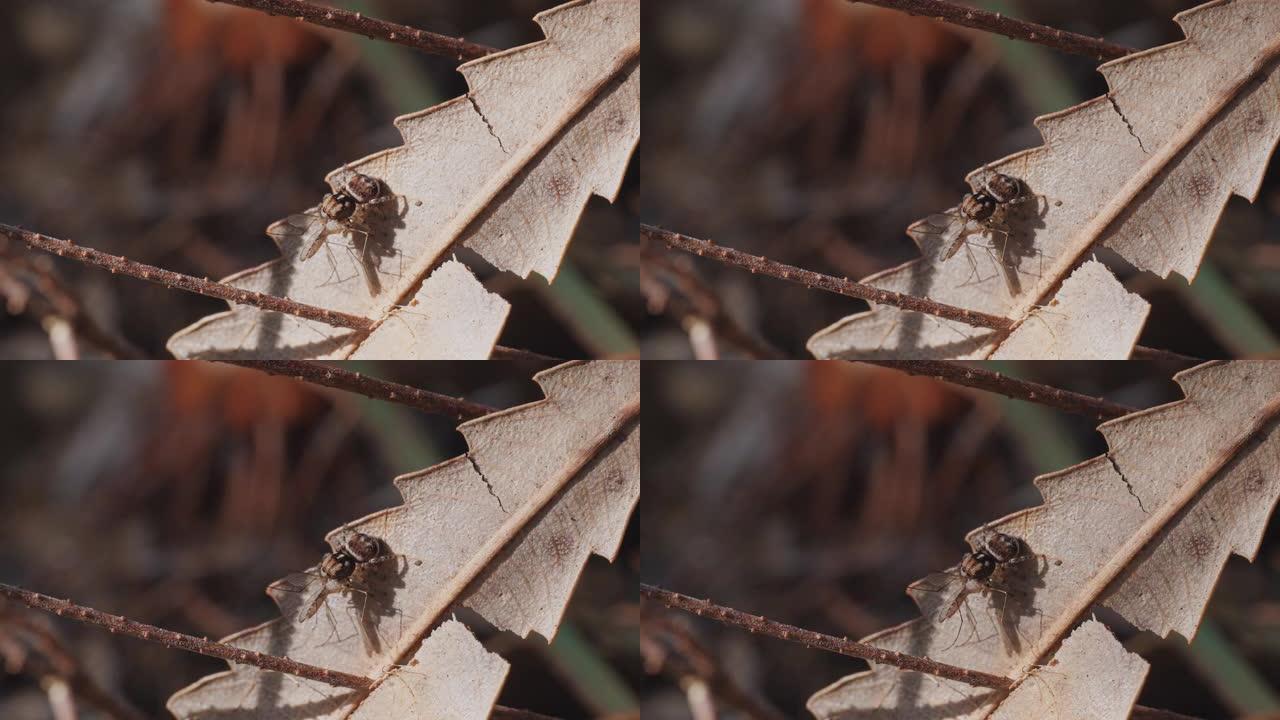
[
  {"x": 173, "y": 493},
  {"x": 813, "y": 493},
  {"x": 814, "y": 131},
  {"x": 174, "y": 131}
]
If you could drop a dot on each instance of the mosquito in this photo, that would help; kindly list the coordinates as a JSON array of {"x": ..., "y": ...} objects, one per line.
[
  {"x": 986, "y": 569},
  {"x": 983, "y": 212},
  {"x": 337, "y": 215}
]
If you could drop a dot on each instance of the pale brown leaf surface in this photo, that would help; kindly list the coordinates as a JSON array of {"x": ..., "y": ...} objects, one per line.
[
  {"x": 451, "y": 318},
  {"x": 453, "y": 676},
  {"x": 1093, "y": 677},
  {"x": 504, "y": 530},
  {"x": 1091, "y": 318},
  {"x": 505, "y": 170},
  {"x": 1145, "y": 170},
  {"x": 1144, "y": 530}
]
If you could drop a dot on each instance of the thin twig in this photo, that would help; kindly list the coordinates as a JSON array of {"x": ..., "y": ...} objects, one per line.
[
  {"x": 841, "y": 286},
  {"x": 119, "y": 265},
  {"x": 340, "y": 379},
  {"x": 849, "y": 288},
  {"x": 764, "y": 626},
  {"x": 124, "y": 266},
  {"x": 203, "y": 646},
  {"x": 355, "y": 22},
  {"x": 990, "y": 381},
  {"x": 190, "y": 643},
  {"x": 1095, "y": 48}
]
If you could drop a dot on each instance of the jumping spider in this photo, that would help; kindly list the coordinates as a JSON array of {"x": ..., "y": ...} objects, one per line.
[
  {"x": 985, "y": 212},
  {"x": 987, "y": 568},
  {"x": 996, "y": 550},
  {"x": 336, "y": 215},
  {"x": 347, "y": 570}
]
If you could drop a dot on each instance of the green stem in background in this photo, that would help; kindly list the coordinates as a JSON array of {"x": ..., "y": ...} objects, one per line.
[
  {"x": 1043, "y": 436},
  {"x": 594, "y": 681},
  {"x": 1033, "y": 68},
  {"x": 404, "y": 84},
  {"x": 1231, "y": 321},
  {"x": 395, "y": 429},
  {"x": 593, "y": 322},
  {"x": 1237, "y": 683}
]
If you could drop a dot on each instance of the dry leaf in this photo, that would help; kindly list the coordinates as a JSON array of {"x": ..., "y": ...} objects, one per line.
[
  {"x": 1144, "y": 530},
  {"x": 453, "y": 678},
  {"x": 1092, "y": 317},
  {"x": 503, "y": 530},
  {"x": 1092, "y": 677},
  {"x": 451, "y": 318},
  {"x": 1144, "y": 170},
  {"x": 505, "y": 170}
]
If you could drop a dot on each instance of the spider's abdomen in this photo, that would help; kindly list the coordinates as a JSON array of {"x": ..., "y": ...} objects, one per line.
[
  {"x": 1002, "y": 547},
  {"x": 363, "y": 188},
  {"x": 363, "y": 548},
  {"x": 1003, "y": 188}
]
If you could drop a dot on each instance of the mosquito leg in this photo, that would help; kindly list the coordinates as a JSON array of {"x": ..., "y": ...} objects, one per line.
[
  {"x": 975, "y": 274},
  {"x": 368, "y": 630},
  {"x": 1002, "y": 623},
  {"x": 335, "y": 275},
  {"x": 959, "y": 627},
  {"x": 1007, "y": 269},
  {"x": 335, "y": 636},
  {"x": 365, "y": 262}
]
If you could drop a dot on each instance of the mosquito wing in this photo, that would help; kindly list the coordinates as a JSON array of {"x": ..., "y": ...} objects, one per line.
[
  {"x": 954, "y": 597},
  {"x": 940, "y": 595},
  {"x": 959, "y": 231},
  {"x": 311, "y": 592},
  {"x": 948, "y": 229},
  {"x": 306, "y": 229}
]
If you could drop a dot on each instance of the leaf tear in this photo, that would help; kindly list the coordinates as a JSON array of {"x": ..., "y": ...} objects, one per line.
[
  {"x": 1116, "y": 106},
  {"x": 486, "y": 122},
  {"x": 476, "y": 466},
  {"x": 1128, "y": 485}
]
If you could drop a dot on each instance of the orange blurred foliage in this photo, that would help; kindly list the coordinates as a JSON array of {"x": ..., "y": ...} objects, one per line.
[{"x": 239, "y": 38}]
